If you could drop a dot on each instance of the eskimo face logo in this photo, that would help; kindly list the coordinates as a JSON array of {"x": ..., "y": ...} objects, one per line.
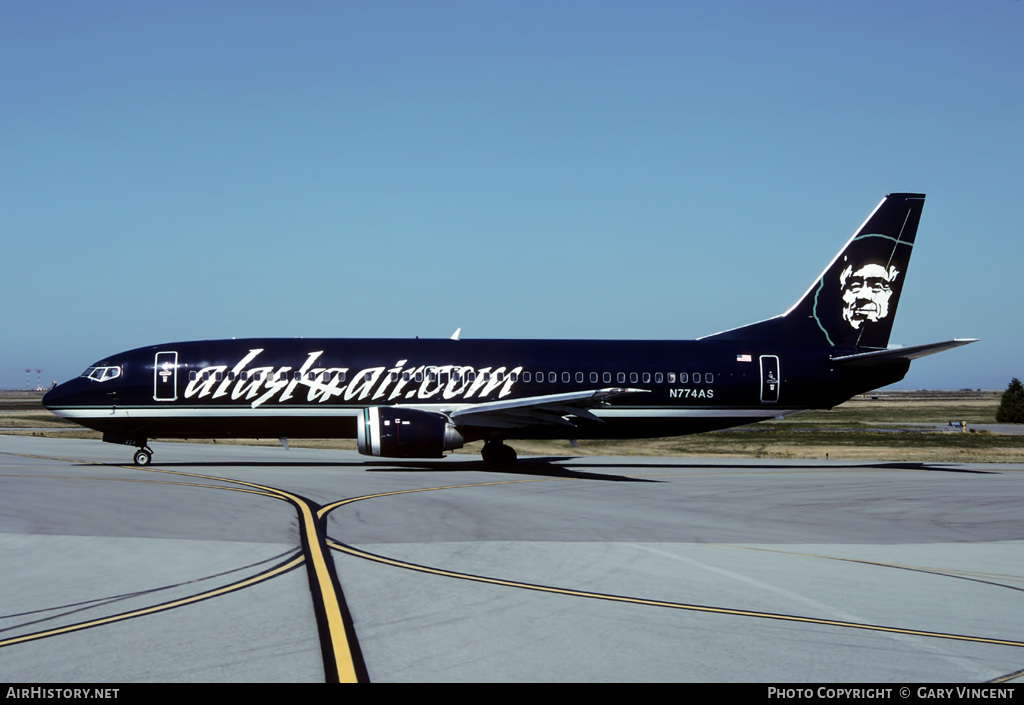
[{"x": 866, "y": 293}]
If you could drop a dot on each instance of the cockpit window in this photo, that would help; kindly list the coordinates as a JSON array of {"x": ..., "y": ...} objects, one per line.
[{"x": 102, "y": 374}]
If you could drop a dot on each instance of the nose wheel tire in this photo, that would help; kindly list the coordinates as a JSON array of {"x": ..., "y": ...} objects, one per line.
[{"x": 143, "y": 456}]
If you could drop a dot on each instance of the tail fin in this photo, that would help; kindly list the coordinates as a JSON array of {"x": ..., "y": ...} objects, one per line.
[{"x": 853, "y": 303}]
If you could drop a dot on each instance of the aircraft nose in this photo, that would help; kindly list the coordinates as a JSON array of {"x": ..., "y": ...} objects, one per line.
[
  {"x": 53, "y": 397},
  {"x": 62, "y": 395}
]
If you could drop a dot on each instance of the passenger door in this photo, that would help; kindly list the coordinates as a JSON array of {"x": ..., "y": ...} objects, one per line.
[
  {"x": 770, "y": 379},
  {"x": 165, "y": 376}
]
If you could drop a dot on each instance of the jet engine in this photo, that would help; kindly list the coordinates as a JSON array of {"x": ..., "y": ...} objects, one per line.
[{"x": 394, "y": 432}]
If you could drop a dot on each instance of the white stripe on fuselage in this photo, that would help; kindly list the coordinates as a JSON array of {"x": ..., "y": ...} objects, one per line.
[{"x": 172, "y": 412}]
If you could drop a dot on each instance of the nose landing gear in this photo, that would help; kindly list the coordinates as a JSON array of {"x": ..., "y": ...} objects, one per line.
[{"x": 143, "y": 454}]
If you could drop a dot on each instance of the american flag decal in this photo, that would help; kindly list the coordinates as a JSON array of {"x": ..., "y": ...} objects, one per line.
[{"x": 743, "y": 358}]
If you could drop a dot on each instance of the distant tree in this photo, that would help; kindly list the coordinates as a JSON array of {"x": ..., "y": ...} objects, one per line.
[{"x": 1011, "y": 408}]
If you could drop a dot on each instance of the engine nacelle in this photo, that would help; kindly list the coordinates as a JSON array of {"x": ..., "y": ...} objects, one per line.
[{"x": 394, "y": 432}]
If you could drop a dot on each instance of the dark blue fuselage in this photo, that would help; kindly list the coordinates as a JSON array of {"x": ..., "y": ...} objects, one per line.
[{"x": 315, "y": 387}]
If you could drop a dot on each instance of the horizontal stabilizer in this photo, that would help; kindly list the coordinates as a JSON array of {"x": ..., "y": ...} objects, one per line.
[{"x": 882, "y": 357}]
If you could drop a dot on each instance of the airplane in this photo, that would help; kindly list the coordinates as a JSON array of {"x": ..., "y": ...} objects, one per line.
[{"x": 418, "y": 398}]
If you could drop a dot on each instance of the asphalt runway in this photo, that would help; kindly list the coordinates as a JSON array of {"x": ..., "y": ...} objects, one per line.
[{"x": 231, "y": 563}]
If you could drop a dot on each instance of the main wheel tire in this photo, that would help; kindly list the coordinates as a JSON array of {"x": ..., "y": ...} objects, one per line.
[
  {"x": 508, "y": 455},
  {"x": 143, "y": 456},
  {"x": 497, "y": 454},
  {"x": 489, "y": 453}
]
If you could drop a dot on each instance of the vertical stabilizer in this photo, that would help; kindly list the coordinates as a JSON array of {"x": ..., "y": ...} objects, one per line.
[{"x": 852, "y": 303}]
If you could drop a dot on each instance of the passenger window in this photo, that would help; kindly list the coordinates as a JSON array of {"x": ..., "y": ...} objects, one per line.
[
  {"x": 566, "y": 377},
  {"x": 607, "y": 377},
  {"x": 647, "y": 378},
  {"x": 633, "y": 377},
  {"x": 671, "y": 378},
  {"x": 527, "y": 377},
  {"x": 552, "y": 377},
  {"x": 708, "y": 377},
  {"x": 696, "y": 377},
  {"x": 682, "y": 378},
  {"x": 621, "y": 377},
  {"x": 658, "y": 378},
  {"x": 593, "y": 378},
  {"x": 579, "y": 377}
]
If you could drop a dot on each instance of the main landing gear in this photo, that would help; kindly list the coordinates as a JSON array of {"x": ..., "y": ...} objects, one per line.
[
  {"x": 496, "y": 453},
  {"x": 143, "y": 456}
]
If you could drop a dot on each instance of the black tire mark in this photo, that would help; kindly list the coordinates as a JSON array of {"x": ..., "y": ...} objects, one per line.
[
  {"x": 285, "y": 566},
  {"x": 84, "y": 605}
]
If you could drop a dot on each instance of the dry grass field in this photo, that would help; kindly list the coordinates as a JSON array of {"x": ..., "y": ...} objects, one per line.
[{"x": 887, "y": 425}]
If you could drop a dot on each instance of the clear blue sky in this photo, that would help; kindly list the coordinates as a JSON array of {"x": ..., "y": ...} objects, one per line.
[{"x": 174, "y": 171}]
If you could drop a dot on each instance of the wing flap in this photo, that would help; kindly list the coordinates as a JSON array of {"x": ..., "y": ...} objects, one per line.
[{"x": 549, "y": 409}]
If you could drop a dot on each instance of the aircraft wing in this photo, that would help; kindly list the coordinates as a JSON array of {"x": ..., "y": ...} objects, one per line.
[
  {"x": 881, "y": 357},
  {"x": 529, "y": 411}
]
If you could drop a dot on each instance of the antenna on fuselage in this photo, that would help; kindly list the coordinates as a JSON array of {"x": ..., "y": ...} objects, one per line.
[{"x": 455, "y": 335}]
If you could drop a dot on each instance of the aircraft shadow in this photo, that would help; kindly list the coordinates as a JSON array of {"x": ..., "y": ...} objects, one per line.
[
  {"x": 535, "y": 466},
  {"x": 774, "y": 465},
  {"x": 552, "y": 467}
]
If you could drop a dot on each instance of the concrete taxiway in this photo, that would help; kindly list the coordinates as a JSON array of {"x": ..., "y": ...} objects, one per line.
[{"x": 232, "y": 563}]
